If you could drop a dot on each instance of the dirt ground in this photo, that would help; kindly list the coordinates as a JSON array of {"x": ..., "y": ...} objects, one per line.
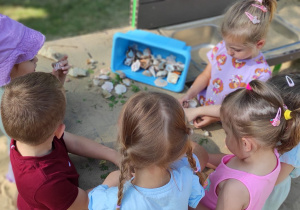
[{"x": 89, "y": 114}]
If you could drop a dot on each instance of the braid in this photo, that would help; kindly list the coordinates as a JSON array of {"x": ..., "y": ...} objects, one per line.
[
  {"x": 124, "y": 174},
  {"x": 189, "y": 154}
]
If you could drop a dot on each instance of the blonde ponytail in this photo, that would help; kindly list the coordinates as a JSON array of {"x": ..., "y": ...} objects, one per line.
[{"x": 271, "y": 5}]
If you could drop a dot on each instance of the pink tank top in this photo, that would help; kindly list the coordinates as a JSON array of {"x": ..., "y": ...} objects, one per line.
[{"x": 259, "y": 187}]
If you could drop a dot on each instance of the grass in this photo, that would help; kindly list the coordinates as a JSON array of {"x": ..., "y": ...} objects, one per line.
[{"x": 64, "y": 18}]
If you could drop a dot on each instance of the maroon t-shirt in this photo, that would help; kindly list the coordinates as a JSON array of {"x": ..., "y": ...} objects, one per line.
[{"x": 48, "y": 182}]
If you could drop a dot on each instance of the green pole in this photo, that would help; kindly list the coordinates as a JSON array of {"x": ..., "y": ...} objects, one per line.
[
  {"x": 133, "y": 13},
  {"x": 276, "y": 69}
]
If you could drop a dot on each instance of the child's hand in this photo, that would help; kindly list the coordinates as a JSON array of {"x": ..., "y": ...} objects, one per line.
[
  {"x": 184, "y": 101},
  {"x": 61, "y": 68},
  {"x": 204, "y": 121}
]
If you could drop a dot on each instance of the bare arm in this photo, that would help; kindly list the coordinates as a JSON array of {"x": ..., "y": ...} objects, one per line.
[
  {"x": 81, "y": 202},
  {"x": 88, "y": 148},
  {"x": 201, "y": 154},
  {"x": 214, "y": 160},
  {"x": 233, "y": 195},
  {"x": 199, "y": 84},
  {"x": 112, "y": 180},
  {"x": 285, "y": 170},
  {"x": 199, "y": 207},
  {"x": 193, "y": 113}
]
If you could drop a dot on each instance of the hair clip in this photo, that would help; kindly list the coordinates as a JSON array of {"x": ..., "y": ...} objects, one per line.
[
  {"x": 287, "y": 114},
  {"x": 289, "y": 81},
  {"x": 252, "y": 18},
  {"x": 276, "y": 121},
  {"x": 197, "y": 170},
  {"x": 261, "y": 7},
  {"x": 248, "y": 87}
]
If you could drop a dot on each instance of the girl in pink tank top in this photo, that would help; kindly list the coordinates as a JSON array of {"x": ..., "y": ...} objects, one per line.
[{"x": 255, "y": 125}]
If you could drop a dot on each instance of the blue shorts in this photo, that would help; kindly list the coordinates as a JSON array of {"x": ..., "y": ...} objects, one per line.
[{"x": 278, "y": 195}]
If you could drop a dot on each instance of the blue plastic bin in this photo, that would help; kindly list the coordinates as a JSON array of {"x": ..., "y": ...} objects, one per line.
[{"x": 164, "y": 46}]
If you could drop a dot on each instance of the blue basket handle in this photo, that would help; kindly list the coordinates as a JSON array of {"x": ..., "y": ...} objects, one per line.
[{"x": 158, "y": 40}]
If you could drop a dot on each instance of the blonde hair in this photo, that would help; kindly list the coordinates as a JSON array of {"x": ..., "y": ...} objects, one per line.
[
  {"x": 247, "y": 113},
  {"x": 291, "y": 98},
  {"x": 152, "y": 131},
  {"x": 32, "y": 107},
  {"x": 236, "y": 24}
]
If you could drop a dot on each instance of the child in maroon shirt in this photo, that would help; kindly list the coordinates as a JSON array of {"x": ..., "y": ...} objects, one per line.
[
  {"x": 32, "y": 110},
  {"x": 47, "y": 182}
]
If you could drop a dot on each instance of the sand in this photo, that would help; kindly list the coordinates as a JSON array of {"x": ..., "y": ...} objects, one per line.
[{"x": 88, "y": 114}]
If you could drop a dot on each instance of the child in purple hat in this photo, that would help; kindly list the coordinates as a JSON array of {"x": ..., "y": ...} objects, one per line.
[{"x": 18, "y": 47}]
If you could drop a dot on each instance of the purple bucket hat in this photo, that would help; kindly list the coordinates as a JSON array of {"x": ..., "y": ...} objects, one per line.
[{"x": 18, "y": 43}]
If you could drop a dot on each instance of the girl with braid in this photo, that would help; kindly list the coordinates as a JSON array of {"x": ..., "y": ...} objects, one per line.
[{"x": 154, "y": 144}]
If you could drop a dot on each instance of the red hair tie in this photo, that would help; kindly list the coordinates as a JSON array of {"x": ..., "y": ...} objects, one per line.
[{"x": 248, "y": 87}]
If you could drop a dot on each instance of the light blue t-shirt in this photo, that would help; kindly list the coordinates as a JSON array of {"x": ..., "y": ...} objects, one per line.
[
  {"x": 183, "y": 190},
  {"x": 292, "y": 157},
  {"x": 281, "y": 191}
]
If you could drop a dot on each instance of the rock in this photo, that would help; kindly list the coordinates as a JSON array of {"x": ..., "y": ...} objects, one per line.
[{"x": 77, "y": 72}]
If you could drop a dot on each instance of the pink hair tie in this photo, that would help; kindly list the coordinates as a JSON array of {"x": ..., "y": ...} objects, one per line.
[
  {"x": 260, "y": 1},
  {"x": 261, "y": 7},
  {"x": 197, "y": 170},
  {"x": 248, "y": 87},
  {"x": 118, "y": 207},
  {"x": 276, "y": 121}
]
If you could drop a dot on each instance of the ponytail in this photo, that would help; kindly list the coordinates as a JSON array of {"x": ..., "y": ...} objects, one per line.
[
  {"x": 291, "y": 137},
  {"x": 288, "y": 86},
  {"x": 271, "y": 5}
]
